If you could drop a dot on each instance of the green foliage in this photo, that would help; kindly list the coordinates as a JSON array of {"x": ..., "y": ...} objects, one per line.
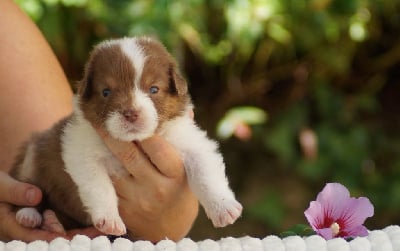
[
  {"x": 327, "y": 67},
  {"x": 270, "y": 210},
  {"x": 298, "y": 229}
]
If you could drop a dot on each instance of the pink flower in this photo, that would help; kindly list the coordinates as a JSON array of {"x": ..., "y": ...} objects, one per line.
[{"x": 336, "y": 214}]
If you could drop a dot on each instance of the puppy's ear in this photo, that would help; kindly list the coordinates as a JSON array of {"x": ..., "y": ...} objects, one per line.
[
  {"x": 85, "y": 86},
  {"x": 177, "y": 83}
]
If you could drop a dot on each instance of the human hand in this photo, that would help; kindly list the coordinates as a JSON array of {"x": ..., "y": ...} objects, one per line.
[
  {"x": 155, "y": 201},
  {"x": 13, "y": 192}
]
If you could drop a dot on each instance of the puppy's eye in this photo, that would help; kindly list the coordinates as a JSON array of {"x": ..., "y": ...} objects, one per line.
[
  {"x": 106, "y": 92},
  {"x": 154, "y": 89}
]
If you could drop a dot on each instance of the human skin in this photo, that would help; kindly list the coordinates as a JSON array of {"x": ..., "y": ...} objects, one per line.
[
  {"x": 155, "y": 201},
  {"x": 162, "y": 180}
]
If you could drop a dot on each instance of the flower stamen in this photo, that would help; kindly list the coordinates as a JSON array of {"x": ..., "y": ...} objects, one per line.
[{"x": 335, "y": 229}]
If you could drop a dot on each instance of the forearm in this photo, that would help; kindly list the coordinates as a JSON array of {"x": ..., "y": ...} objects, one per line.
[{"x": 35, "y": 91}]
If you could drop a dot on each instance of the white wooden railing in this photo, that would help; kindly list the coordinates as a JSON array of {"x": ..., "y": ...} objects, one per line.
[{"x": 387, "y": 239}]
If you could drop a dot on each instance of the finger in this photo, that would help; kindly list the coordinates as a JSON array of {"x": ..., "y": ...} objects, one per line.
[
  {"x": 90, "y": 232},
  {"x": 102, "y": 133},
  {"x": 126, "y": 186},
  {"x": 131, "y": 157},
  {"x": 164, "y": 156},
  {"x": 149, "y": 191},
  {"x": 18, "y": 193},
  {"x": 32, "y": 234},
  {"x": 11, "y": 230},
  {"x": 51, "y": 223}
]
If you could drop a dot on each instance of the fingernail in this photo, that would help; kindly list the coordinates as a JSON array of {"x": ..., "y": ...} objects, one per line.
[{"x": 31, "y": 195}]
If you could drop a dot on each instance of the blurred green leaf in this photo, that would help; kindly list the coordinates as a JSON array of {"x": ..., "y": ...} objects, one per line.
[
  {"x": 298, "y": 229},
  {"x": 281, "y": 138},
  {"x": 33, "y": 8}
]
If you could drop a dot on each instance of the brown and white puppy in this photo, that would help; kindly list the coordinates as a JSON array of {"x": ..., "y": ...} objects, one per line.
[{"x": 131, "y": 89}]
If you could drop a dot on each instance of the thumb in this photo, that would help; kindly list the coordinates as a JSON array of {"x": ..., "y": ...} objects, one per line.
[
  {"x": 164, "y": 156},
  {"x": 126, "y": 152},
  {"x": 18, "y": 193}
]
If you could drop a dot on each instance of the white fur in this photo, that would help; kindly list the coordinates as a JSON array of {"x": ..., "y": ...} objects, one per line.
[
  {"x": 134, "y": 52},
  {"x": 27, "y": 169},
  {"x": 29, "y": 217},
  {"x": 147, "y": 121},
  {"x": 142, "y": 128},
  {"x": 204, "y": 168},
  {"x": 85, "y": 157}
]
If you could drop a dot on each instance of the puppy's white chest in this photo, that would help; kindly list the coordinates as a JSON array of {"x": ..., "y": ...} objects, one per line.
[
  {"x": 90, "y": 165},
  {"x": 83, "y": 147}
]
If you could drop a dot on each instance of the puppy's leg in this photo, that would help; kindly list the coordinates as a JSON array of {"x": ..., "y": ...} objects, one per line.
[
  {"x": 206, "y": 177},
  {"x": 98, "y": 196},
  {"x": 29, "y": 217},
  {"x": 84, "y": 155},
  {"x": 205, "y": 170}
]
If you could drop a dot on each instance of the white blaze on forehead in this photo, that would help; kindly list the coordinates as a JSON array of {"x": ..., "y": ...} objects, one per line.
[
  {"x": 135, "y": 53},
  {"x": 147, "y": 120}
]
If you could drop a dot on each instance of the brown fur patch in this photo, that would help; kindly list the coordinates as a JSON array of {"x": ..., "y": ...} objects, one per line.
[
  {"x": 161, "y": 70},
  {"x": 109, "y": 68},
  {"x": 59, "y": 191}
]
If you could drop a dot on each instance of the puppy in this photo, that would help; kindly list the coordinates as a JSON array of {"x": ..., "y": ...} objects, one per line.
[{"x": 132, "y": 90}]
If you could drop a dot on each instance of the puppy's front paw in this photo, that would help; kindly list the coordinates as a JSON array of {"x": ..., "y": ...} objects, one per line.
[
  {"x": 110, "y": 225},
  {"x": 224, "y": 212},
  {"x": 29, "y": 217}
]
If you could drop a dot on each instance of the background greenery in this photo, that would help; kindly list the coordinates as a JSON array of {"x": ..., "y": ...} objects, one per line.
[{"x": 299, "y": 92}]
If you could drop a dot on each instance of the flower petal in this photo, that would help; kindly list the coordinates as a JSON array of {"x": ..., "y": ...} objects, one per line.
[
  {"x": 357, "y": 211},
  {"x": 326, "y": 233},
  {"x": 315, "y": 215},
  {"x": 334, "y": 199},
  {"x": 358, "y": 231}
]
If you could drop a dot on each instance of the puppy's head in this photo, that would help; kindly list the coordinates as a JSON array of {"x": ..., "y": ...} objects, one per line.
[{"x": 130, "y": 87}]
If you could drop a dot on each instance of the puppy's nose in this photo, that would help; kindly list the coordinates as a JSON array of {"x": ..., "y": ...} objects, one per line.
[{"x": 130, "y": 115}]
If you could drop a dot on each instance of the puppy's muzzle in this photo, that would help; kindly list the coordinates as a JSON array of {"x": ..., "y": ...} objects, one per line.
[{"x": 131, "y": 115}]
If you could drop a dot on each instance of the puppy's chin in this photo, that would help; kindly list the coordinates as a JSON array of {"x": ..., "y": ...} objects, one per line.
[
  {"x": 131, "y": 136},
  {"x": 139, "y": 130}
]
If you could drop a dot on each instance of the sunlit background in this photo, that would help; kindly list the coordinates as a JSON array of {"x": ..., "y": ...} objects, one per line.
[{"x": 298, "y": 92}]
